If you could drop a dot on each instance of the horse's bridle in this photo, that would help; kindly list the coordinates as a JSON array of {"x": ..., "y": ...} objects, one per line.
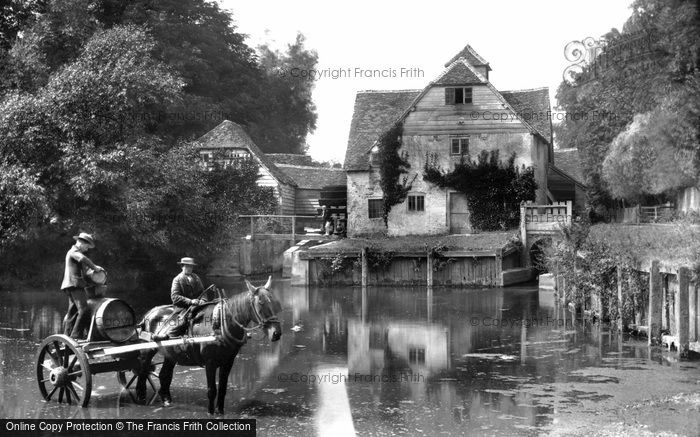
[{"x": 228, "y": 338}]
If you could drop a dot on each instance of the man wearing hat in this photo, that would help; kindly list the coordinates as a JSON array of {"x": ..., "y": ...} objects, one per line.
[
  {"x": 74, "y": 285},
  {"x": 184, "y": 292}
]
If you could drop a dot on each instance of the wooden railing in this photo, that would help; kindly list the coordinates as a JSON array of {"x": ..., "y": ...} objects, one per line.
[
  {"x": 645, "y": 214},
  {"x": 280, "y": 226},
  {"x": 545, "y": 217}
]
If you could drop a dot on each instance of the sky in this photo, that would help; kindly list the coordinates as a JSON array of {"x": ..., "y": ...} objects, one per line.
[{"x": 408, "y": 43}]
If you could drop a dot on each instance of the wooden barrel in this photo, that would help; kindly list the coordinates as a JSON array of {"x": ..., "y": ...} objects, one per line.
[{"x": 114, "y": 319}]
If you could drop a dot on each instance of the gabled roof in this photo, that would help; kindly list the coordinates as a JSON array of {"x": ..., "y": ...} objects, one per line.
[
  {"x": 459, "y": 73},
  {"x": 314, "y": 178},
  {"x": 471, "y": 56},
  {"x": 568, "y": 161},
  {"x": 374, "y": 113},
  {"x": 231, "y": 135},
  {"x": 533, "y": 106}
]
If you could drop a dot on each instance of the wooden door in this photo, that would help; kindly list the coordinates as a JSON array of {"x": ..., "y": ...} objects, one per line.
[{"x": 459, "y": 214}]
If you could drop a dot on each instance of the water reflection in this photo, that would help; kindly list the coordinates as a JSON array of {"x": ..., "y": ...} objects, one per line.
[{"x": 373, "y": 361}]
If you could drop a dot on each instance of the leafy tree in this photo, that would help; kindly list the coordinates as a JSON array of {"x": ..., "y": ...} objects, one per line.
[
  {"x": 663, "y": 84},
  {"x": 69, "y": 131},
  {"x": 287, "y": 98},
  {"x": 22, "y": 203}
]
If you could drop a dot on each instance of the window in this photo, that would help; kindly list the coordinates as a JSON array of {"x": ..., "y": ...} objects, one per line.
[
  {"x": 416, "y": 202},
  {"x": 375, "y": 208},
  {"x": 416, "y": 355},
  {"x": 459, "y": 146},
  {"x": 458, "y": 96}
]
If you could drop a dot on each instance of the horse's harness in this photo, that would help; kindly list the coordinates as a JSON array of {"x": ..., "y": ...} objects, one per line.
[{"x": 227, "y": 337}]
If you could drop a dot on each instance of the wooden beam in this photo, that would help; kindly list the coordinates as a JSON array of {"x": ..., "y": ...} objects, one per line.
[
  {"x": 655, "y": 307},
  {"x": 365, "y": 267},
  {"x": 682, "y": 301}
]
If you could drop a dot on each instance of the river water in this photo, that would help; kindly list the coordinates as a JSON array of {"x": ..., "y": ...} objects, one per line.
[{"x": 386, "y": 361}]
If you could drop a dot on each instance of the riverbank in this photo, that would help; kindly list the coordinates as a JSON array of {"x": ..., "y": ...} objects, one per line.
[{"x": 632, "y": 398}]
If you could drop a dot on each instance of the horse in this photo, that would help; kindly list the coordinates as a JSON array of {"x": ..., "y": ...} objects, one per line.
[{"x": 229, "y": 319}]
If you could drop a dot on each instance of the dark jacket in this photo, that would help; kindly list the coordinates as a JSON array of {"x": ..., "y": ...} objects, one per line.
[
  {"x": 185, "y": 289},
  {"x": 76, "y": 261}
]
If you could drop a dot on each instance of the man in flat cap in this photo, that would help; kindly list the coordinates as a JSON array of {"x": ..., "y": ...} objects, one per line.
[{"x": 74, "y": 284}]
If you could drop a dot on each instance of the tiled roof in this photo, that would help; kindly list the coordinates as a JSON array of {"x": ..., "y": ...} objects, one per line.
[
  {"x": 374, "y": 113},
  {"x": 533, "y": 106},
  {"x": 231, "y": 135},
  {"x": 471, "y": 56},
  {"x": 292, "y": 159},
  {"x": 314, "y": 178},
  {"x": 459, "y": 73},
  {"x": 568, "y": 161}
]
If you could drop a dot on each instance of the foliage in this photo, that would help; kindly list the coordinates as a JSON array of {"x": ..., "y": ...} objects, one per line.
[
  {"x": 494, "y": 189},
  {"x": 588, "y": 256},
  {"x": 661, "y": 87},
  {"x": 197, "y": 41},
  {"x": 22, "y": 203},
  {"x": 644, "y": 160},
  {"x": 391, "y": 166},
  {"x": 289, "y": 98},
  {"x": 78, "y": 141},
  {"x": 440, "y": 261}
]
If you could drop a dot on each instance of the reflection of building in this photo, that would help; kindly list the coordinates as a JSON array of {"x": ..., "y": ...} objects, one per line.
[{"x": 419, "y": 348}]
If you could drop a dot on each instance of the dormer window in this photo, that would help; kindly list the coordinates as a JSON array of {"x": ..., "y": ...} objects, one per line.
[{"x": 458, "y": 95}]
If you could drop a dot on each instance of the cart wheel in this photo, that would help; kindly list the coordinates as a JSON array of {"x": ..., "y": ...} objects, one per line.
[
  {"x": 62, "y": 371},
  {"x": 127, "y": 379}
]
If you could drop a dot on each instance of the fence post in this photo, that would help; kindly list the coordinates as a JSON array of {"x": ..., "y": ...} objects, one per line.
[
  {"x": 682, "y": 311},
  {"x": 655, "y": 307},
  {"x": 252, "y": 227},
  {"x": 569, "y": 211},
  {"x": 364, "y": 266},
  {"x": 620, "y": 322},
  {"x": 523, "y": 235},
  {"x": 294, "y": 229}
]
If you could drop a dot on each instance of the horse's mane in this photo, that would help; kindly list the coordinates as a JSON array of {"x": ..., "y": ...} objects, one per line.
[{"x": 239, "y": 306}]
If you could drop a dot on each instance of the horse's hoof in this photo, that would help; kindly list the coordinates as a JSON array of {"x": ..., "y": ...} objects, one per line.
[
  {"x": 167, "y": 401},
  {"x": 219, "y": 412}
]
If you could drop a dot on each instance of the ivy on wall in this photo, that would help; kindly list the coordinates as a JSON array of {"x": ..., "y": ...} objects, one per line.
[
  {"x": 494, "y": 189},
  {"x": 392, "y": 165}
]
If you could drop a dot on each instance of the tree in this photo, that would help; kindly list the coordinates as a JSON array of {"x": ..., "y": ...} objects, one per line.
[
  {"x": 286, "y": 98},
  {"x": 222, "y": 76},
  {"x": 22, "y": 203},
  {"x": 69, "y": 133},
  {"x": 663, "y": 83}
]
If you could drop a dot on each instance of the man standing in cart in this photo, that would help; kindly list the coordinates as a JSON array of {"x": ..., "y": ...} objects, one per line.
[{"x": 74, "y": 284}]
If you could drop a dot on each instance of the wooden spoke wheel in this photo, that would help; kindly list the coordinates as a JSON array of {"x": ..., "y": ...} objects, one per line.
[
  {"x": 128, "y": 379},
  {"x": 63, "y": 372}
]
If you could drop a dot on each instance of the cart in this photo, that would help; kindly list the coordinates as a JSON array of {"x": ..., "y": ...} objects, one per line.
[{"x": 65, "y": 367}]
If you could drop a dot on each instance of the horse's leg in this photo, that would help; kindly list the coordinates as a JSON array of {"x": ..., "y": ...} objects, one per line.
[
  {"x": 224, "y": 371},
  {"x": 210, "y": 367},
  {"x": 166, "y": 377},
  {"x": 143, "y": 372}
]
